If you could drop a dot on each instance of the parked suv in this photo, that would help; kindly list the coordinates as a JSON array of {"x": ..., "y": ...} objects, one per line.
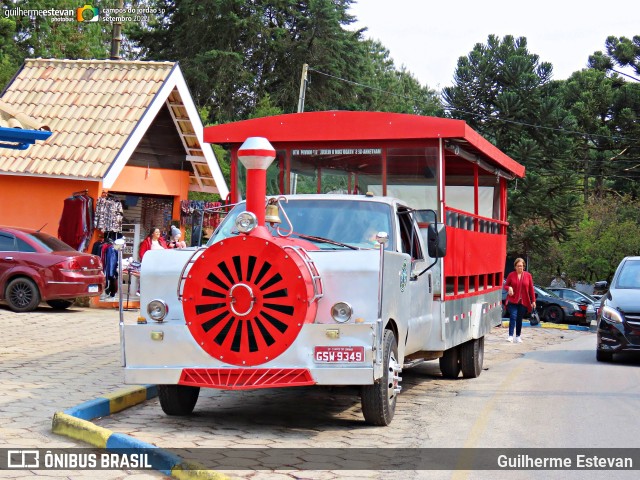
[{"x": 619, "y": 317}]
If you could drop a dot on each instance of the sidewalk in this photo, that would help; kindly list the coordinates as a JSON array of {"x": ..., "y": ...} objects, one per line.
[{"x": 51, "y": 361}]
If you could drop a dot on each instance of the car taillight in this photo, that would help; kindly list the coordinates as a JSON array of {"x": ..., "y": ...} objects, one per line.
[{"x": 70, "y": 265}]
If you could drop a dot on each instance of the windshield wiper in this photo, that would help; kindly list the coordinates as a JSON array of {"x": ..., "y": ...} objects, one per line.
[{"x": 325, "y": 240}]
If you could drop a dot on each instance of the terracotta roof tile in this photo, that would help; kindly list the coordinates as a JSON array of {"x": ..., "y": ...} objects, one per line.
[
  {"x": 82, "y": 101},
  {"x": 91, "y": 106}
]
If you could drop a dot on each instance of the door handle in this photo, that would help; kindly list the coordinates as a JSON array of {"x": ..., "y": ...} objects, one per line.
[{"x": 8, "y": 258}]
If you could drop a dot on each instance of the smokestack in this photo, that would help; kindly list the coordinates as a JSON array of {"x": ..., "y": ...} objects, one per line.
[{"x": 256, "y": 154}]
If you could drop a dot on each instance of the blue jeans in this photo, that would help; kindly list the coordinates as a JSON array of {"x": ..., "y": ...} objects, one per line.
[{"x": 516, "y": 312}]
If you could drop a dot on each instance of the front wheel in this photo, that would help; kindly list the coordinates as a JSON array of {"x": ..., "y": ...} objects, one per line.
[
  {"x": 379, "y": 400},
  {"x": 22, "y": 295},
  {"x": 603, "y": 356},
  {"x": 178, "y": 400},
  {"x": 60, "y": 304},
  {"x": 554, "y": 314},
  {"x": 472, "y": 357}
]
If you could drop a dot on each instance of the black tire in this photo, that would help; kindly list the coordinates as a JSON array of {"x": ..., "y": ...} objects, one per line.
[
  {"x": 554, "y": 314},
  {"x": 60, "y": 304},
  {"x": 22, "y": 295},
  {"x": 450, "y": 363},
  {"x": 603, "y": 356},
  {"x": 379, "y": 400},
  {"x": 471, "y": 357},
  {"x": 178, "y": 400}
]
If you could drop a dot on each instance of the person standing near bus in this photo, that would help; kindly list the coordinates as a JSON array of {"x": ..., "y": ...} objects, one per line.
[{"x": 521, "y": 297}]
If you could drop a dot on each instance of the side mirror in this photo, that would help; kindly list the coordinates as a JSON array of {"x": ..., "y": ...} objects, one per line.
[
  {"x": 601, "y": 285},
  {"x": 436, "y": 240}
]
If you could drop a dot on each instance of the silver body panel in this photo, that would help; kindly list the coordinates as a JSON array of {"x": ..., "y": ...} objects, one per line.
[{"x": 411, "y": 305}]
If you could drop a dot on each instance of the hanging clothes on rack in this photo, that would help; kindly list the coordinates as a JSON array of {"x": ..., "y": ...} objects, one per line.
[
  {"x": 109, "y": 214},
  {"x": 109, "y": 257},
  {"x": 76, "y": 221}
]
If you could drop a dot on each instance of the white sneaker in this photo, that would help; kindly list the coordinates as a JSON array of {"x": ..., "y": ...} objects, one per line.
[
  {"x": 518, "y": 340},
  {"x": 510, "y": 339}
]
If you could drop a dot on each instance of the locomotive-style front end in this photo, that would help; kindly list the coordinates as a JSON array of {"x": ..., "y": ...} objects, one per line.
[{"x": 255, "y": 310}]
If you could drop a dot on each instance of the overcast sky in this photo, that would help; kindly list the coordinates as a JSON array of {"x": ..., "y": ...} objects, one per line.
[{"x": 427, "y": 37}]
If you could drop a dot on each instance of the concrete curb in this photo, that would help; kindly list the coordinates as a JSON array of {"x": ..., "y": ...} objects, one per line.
[
  {"x": 75, "y": 423},
  {"x": 557, "y": 326}
]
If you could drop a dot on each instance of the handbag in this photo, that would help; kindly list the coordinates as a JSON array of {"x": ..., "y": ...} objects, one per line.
[{"x": 535, "y": 319}]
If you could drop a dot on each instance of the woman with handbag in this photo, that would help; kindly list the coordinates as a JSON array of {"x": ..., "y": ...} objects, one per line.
[{"x": 521, "y": 298}]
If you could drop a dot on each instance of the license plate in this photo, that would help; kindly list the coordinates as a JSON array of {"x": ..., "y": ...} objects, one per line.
[
  {"x": 339, "y": 354},
  {"x": 94, "y": 288}
]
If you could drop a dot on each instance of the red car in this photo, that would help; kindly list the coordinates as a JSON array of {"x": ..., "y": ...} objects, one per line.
[{"x": 35, "y": 267}]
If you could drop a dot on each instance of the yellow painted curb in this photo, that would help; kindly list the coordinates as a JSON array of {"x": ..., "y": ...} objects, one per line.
[
  {"x": 554, "y": 325},
  {"x": 125, "y": 398},
  {"x": 79, "y": 429},
  {"x": 195, "y": 471}
]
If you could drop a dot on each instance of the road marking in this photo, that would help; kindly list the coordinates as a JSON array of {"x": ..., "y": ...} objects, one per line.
[{"x": 481, "y": 423}]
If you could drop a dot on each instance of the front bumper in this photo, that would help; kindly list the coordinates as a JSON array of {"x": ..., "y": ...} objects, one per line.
[
  {"x": 616, "y": 337},
  {"x": 166, "y": 353}
]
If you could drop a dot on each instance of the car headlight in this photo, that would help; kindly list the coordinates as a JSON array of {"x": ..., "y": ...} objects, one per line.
[
  {"x": 157, "y": 310},
  {"x": 611, "y": 314},
  {"x": 341, "y": 312},
  {"x": 246, "y": 221}
]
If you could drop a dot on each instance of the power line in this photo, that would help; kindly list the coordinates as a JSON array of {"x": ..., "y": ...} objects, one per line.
[{"x": 481, "y": 116}]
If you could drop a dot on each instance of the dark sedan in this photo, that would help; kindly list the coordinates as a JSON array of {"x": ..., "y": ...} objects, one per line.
[
  {"x": 619, "y": 316},
  {"x": 578, "y": 297},
  {"x": 552, "y": 308},
  {"x": 35, "y": 267}
]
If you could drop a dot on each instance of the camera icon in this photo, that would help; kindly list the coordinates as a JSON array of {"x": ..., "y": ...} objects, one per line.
[{"x": 87, "y": 14}]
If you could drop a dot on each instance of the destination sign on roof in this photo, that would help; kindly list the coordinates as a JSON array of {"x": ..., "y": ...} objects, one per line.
[{"x": 339, "y": 151}]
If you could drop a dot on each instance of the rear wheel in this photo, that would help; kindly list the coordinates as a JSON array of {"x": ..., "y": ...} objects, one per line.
[
  {"x": 178, "y": 400},
  {"x": 22, "y": 295},
  {"x": 379, "y": 400},
  {"x": 450, "y": 363},
  {"x": 471, "y": 357},
  {"x": 60, "y": 304},
  {"x": 554, "y": 314}
]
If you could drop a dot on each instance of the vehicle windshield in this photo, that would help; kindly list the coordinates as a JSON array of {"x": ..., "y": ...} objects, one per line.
[
  {"x": 49, "y": 243},
  {"x": 354, "y": 223},
  {"x": 629, "y": 275}
]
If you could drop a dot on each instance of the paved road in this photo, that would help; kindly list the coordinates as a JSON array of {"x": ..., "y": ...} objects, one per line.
[{"x": 50, "y": 361}]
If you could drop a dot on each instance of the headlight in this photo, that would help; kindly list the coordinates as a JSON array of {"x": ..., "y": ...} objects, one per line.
[
  {"x": 341, "y": 312},
  {"x": 246, "y": 221},
  {"x": 611, "y": 314},
  {"x": 157, "y": 310}
]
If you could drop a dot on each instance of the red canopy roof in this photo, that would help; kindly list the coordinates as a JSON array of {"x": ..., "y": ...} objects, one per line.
[{"x": 337, "y": 126}]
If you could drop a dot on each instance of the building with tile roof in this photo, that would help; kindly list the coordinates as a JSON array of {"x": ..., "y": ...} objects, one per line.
[{"x": 126, "y": 127}]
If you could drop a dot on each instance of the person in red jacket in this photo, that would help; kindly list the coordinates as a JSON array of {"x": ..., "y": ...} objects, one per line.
[
  {"x": 154, "y": 241},
  {"x": 521, "y": 297}
]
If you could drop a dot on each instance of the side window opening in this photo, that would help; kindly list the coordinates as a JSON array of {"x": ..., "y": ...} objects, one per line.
[{"x": 409, "y": 235}]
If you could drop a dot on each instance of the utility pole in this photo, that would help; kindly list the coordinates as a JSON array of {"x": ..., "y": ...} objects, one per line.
[{"x": 303, "y": 89}]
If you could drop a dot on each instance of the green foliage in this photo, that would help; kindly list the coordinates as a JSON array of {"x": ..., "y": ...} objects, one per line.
[
  {"x": 499, "y": 88},
  {"x": 621, "y": 51},
  {"x": 10, "y": 58},
  {"x": 235, "y": 54},
  {"x": 609, "y": 231}
]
